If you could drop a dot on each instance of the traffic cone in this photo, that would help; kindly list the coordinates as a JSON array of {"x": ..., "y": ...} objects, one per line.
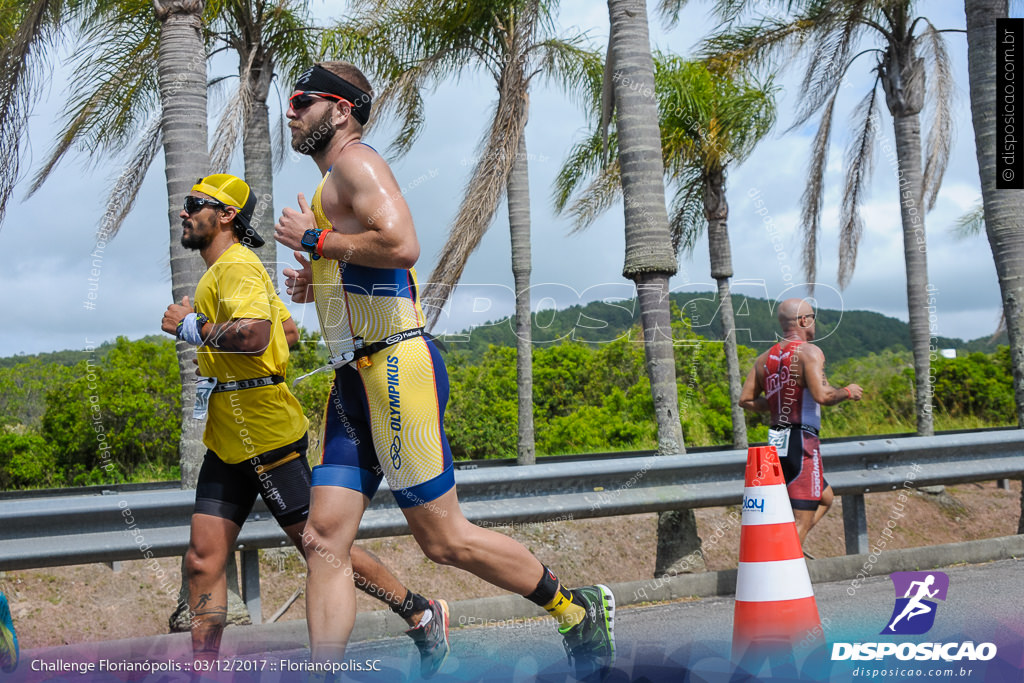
[{"x": 775, "y": 607}]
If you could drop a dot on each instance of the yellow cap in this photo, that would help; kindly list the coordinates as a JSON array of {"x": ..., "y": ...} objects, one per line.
[{"x": 233, "y": 191}]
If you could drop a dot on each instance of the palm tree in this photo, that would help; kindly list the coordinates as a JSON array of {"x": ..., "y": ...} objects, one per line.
[
  {"x": 122, "y": 103},
  {"x": 142, "y": 76},
  {"x": 1004, "y": 209},
  {"x": 271, "y": 39},
  {"x": 515, "y": 41},
  {"x": 911, "y": 69},
  {"x": 117, "y": 105},
  {"x": 181, "y": 78},
  {"x": 168, "y": 32},
  {"x": 708, "y": 120},
  {"x": 650, "y": 260}
]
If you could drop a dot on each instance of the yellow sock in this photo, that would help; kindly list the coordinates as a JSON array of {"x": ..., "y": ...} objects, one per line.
[{"x": 565, "y": 611}]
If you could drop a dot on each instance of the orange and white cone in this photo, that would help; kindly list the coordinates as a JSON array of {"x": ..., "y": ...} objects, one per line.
[{"x": 775, "y": 605}]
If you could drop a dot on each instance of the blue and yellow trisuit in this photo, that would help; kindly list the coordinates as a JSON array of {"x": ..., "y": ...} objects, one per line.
[{"x": 385, "y": 419}]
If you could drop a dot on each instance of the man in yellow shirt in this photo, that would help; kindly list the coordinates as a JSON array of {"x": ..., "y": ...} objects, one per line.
[{"x": 255, "y": 429}]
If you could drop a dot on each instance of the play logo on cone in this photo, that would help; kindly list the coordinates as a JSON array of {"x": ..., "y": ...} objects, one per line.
[{"x": 914, "y": 612}]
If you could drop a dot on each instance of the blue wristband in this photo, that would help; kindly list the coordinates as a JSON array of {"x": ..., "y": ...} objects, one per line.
[{"x": 190, "y": 329}]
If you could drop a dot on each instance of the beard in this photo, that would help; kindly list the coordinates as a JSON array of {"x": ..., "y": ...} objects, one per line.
[
  {"x": 314, "y": 139},
  {"x": 194, "y": 239}
]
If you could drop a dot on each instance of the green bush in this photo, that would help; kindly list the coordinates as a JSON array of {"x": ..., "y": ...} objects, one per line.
[
  {"x": 23, "y": 388},
  {"x": 979, "y": 385},
  {"x": 117, "y": 414},
  {"x": 26, "y": 461},
  {"x": 481, "y": 417}
]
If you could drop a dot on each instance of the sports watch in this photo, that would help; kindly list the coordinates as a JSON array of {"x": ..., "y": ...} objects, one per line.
[{"x": 309, "y": 242}]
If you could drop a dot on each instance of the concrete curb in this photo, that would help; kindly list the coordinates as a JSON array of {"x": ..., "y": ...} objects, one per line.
[{"x": 509, "y": 610}]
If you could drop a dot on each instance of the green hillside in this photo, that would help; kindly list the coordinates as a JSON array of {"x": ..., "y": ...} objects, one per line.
[
  {"x": 840, "y": 334},
  {"x": 71, "y": 357}
]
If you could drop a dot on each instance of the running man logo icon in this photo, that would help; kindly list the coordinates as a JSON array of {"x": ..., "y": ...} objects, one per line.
[{"x": 914, "y": 613}]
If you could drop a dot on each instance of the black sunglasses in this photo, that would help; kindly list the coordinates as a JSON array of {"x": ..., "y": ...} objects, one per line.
[
  {"x": 193, "y": 204},
  {"x": 303, "y": 98}
]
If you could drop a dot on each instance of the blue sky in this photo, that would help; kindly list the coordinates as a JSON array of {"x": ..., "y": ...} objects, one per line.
[{"x": 47, "y": 242}]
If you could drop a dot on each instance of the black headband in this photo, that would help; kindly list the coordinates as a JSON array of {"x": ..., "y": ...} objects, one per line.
[{"x": 319, "y": 79}]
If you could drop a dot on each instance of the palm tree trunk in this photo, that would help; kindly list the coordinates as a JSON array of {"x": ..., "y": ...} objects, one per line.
[
  {"x": 181, "y": 72},
  {"x": 519, "y": 227},
  {"x": 650, "y": 259},
  {"x": 1004, "y": 209},
  {"x": 915, "y": 252},
  {"x": 259, "y": 162},
  {"x": 716, "y": 210},
  {"x": 652, "y": 291}
]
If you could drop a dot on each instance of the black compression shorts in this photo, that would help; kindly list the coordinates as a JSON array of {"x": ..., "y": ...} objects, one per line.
[
  {"x": 801, "y": 467},
  {"x": 280, "y": 476}
]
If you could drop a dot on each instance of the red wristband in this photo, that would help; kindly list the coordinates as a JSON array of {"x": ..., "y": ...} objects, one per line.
[
  {"x": 320, "y": 243},
  {"x": 848, "y": 394}
]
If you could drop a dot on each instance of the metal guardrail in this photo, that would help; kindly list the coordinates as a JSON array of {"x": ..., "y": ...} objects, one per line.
[{"x": 133, "y": 525}]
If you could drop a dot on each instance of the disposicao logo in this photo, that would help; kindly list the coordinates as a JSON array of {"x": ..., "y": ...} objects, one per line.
[{"x": 914, "y": 612}]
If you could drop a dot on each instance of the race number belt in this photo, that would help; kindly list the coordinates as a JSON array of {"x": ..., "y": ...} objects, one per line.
[
  {"x": 248, "y": 383},
  {"x": 806, "y": 428},
  {"x": 375, "y": 347},
  {"x": 363, "y": 351}
]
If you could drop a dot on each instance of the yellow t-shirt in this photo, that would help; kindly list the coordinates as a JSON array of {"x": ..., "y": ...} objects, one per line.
[{"x": 245, "y": 423}]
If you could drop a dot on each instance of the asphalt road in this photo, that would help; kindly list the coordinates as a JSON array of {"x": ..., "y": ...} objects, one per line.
[{"x": 690, "y": 641}]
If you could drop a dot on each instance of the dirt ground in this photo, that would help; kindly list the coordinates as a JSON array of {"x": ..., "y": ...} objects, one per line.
[{"x": 64, "y": 605}]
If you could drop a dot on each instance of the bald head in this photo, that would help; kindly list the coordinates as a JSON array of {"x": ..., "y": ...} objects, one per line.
[{"x": 796, "y": 315}]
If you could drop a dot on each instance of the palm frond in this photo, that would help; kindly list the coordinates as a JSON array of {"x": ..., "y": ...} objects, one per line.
[
  {"x": 279, "y": 144},
  {"x": 233, "y": 119},
  {"x": 116, "y": 93},
  {"x": 229, "y": 128},
  {"x": 835, "y": 34},
  {"x": 600, "y": 195},
  {"x": 859, "y": 161},
  {"x": 770, "y": 42},
  {"x": 126, "y": 189},
  {"x": 585, "y": 160},
  {"x": 29, "y": 28},
  {"x": 814, "y": 192},
  {"x": 669, "y": 11},
  {"x": 971, "y": 224},
  {"x": 484, "y": 192},
  {"x": 687, "y": 221},
  {"x": 402, "y": 100},
  {"x": 940, "y": 128},
  {"x": 568, "y": 64}
]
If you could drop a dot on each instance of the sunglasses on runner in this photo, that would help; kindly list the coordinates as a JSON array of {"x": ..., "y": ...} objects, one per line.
[
  {"x": 303, "y": 98},
  {"x": 193, "y": 204}
]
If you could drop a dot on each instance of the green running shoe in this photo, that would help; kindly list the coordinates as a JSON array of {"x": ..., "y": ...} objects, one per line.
[
  {"x": 590, "y": 644},
  {"x": 8, "y": 638},
  {"x": 432, "y": 639}
]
